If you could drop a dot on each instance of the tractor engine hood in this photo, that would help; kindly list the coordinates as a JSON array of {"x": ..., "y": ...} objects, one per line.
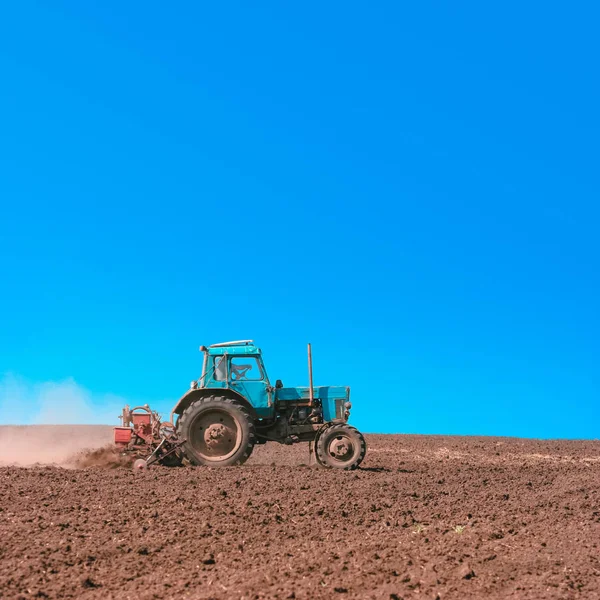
[
  {"x": 323, "y": 392},
  {"x": 334, "y": 399}
]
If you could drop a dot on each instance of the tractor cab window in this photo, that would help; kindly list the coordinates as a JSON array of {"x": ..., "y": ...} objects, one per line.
[
  {"x": 245, "y": 368},
  {"x": 220, "y": 368}
]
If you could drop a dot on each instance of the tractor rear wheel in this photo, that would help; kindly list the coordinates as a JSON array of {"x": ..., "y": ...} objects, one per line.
[
  {"x": 218, "y": 430},
  {"x": 340, "y": 446}
]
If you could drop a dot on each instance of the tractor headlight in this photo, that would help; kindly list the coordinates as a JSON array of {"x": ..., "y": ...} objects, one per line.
[
  {"x": 348, "y": 405},
  {"x": 193, "y": 385}
]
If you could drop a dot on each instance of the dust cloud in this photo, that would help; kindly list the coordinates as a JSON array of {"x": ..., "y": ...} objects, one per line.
[
  {"x": 50, "y": 422},
  {"x": 27, "y": 445},
  {"x": 24, "y": 402}
]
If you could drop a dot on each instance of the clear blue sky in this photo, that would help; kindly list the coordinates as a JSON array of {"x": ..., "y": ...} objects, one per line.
[{"x": 412, "y": 187}]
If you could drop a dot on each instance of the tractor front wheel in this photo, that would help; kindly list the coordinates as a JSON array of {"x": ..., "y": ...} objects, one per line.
[
  {"x": 340, "y": 446},
  {"x": 219, "y": 432}
]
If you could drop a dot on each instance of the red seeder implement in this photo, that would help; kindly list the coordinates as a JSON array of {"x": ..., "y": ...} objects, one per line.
[{"x": 144, "y": 435}]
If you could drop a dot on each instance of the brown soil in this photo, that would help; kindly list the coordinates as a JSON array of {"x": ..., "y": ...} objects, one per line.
[{"x": 426, "y": 517}]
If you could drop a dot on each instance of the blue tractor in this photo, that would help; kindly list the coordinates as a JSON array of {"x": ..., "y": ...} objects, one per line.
[{"x": 233, "y": 406}]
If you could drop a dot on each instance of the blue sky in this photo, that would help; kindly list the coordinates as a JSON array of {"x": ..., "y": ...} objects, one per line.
[{"x": 412, "y": 188}]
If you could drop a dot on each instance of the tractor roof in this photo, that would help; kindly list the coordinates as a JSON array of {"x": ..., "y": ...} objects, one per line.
[
  {"x": 237, "y": 347},
  {"x": 237, "y": 343}
]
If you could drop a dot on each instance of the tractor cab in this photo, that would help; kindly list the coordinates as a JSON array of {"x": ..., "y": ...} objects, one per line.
[{"x": 238, "y": 366}]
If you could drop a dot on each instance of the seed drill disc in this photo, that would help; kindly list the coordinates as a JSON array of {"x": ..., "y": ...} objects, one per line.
[{"x": 140, "y": 465}]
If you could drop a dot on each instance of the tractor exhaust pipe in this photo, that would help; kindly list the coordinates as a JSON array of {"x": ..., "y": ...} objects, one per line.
[{"x": 311, "y": 396}]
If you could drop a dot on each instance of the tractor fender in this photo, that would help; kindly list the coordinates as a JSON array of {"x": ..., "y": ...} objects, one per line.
[{"x": 193, "y": 395}]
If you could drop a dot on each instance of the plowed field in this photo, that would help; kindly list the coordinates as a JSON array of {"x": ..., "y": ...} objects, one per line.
[{"x": 426, "y": 517}]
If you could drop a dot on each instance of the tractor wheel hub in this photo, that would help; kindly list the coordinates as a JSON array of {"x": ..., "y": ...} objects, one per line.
[
  {"x": 214, "y": 434},
  {"x": 340, "y": 447}
]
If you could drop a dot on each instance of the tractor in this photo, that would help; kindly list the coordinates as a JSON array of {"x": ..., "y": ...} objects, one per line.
[{"x": 232, "y": 407}]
